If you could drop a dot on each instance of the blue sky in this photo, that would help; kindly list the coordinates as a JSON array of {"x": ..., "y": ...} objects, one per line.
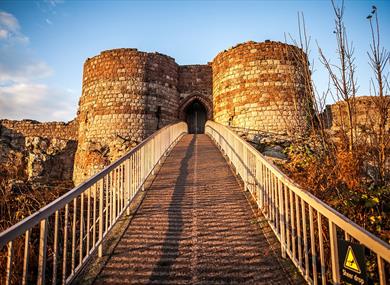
[{"x": 43, "y": 44}]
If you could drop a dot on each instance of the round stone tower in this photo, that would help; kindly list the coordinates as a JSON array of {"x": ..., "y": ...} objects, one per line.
[
  {"x": 127, "y": 95},
  {"x": 260, "y": 86}
]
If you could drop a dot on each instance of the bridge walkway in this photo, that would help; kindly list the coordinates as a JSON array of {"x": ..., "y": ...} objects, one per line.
[{"x": 194, "y": 226}]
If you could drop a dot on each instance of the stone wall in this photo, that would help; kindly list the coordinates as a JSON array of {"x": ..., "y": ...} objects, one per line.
[
  {"x": 195, "y": 79},
  {"x": 195, "y": 82},
  {"x": 127, "y": 95},
  {"x": 30, "y": 128},
  {"x": 37, "y": 153},
  {"x": 259, "y": 86},
  {"x": 365, "y": 114}
]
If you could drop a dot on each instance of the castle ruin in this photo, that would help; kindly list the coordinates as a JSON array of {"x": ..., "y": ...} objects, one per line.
[{"x": 128, "y": 94}]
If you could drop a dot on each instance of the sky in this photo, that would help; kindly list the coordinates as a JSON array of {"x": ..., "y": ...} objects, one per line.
[{"x": 44, "y": 44}]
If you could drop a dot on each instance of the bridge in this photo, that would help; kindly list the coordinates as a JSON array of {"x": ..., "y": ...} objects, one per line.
[{"x": 186, "y": 209}]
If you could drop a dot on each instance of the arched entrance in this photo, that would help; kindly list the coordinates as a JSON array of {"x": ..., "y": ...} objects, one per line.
[{"x": 195, "y": 116}]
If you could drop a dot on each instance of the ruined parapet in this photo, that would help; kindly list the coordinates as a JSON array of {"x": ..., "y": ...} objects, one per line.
[
  {"x": 127, "y": 95},
  {"x": 31, "y": 128},
  {"x": 260, "y": 86},
  {"x": 365, "y": 114}
]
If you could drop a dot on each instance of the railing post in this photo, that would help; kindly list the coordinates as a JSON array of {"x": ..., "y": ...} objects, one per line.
[
  {"x": 334, "y": 254},
  {"x": 64, "y": 252},
  {"x": 381, "y": 270},
  {"x": 246, "y": 165},
  {"x": 27, "y": 254},
  {"x": 142, "y": 166},
  {"x": 10, "y": 255},
  {"x": 42, "y": 252},
  {"x": 55, "y": 249},
  {"x": 127, "y": 184},
  {"x": 100, "y": 248},
  {"x": 282, "y": 215}
]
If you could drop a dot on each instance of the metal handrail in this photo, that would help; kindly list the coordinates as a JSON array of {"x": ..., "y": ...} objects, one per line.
[
  {"x": 92, "y": 209},
  {"x": 292, "y": 212}
]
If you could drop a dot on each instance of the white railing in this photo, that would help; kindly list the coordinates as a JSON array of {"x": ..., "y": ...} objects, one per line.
[
  {"x": 52, "y": 245},
  {"x": 306, "y": 227}
]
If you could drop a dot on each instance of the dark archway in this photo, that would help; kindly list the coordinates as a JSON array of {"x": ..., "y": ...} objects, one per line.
[{"x": 196, "y": 116}]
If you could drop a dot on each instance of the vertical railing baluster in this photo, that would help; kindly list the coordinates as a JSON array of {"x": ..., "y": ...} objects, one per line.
[
  {"x": 142, "y": 158},
  {"x": 42, "y": 252},
  {"x": 121, "y": 187},
  {"x": 100, "y": 249},
  {"x": 287, "y": 217},
  {"x": 381, "y": 270},
  {"x": 55, "y": 248},
  {"x": 81, "y": 228},
  {"x": 65, "y": 244},
  {"x": 88, "y": 232},
  {"x": 321, "y": 245},
  {"x": 276, "y": 203},
  {"x": 272, "y": 196},
  {"x": 298, "y": 229},
  {"x": 26, "y": 256},
  {"x": 246, "y": 166},
  {"x": 282, "y": 215},
  {"x": 74, "y": 234},
  {"x": 334, "y": 253},
  {"x": 313, "y": 246},
  {"x": 305, "y": 243},
  {"x": 111, "y": 198},
  {"x": 263, "y": 191},
  {"x": 294, "y": 232},
  {"x": 107, "y": 191},
  {"x": 117, "y": 195},
  {"x": 257, "y": 183},
  {"x": 94, "y": 217},
  {"x": 127, "y": 183},
  {"x": 139, "y": 170},
  {"x": 10, "y": 256},
  {"x": 268, "y": 195}
]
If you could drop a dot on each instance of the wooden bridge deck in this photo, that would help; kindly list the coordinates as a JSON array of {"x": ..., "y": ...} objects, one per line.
[{"x": 194, "y": 226}]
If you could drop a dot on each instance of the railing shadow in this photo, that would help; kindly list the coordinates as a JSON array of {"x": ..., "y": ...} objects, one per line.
[{"x": 170, "y": 249}]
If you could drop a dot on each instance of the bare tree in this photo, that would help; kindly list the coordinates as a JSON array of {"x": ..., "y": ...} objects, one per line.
[
  {"x": 343, "y": 74},
  {"x": 378, "y": 59},
  {"x": 313, "y": 102}
]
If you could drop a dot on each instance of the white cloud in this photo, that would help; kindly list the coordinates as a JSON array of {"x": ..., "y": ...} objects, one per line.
[
  {"x": 21, "y": 96},
  {"x": 36, "y": 101},
  {"x": 10, "y": 29},
  {"x": 20, "y": 65},
  {"x": 3, "y": 34},
  {"x": 49, "y": 22},
  {"x": 9, "y": 21}
]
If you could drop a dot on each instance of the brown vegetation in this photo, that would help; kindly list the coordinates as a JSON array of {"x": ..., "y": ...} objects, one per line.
[{"x": 348, "y": 169}]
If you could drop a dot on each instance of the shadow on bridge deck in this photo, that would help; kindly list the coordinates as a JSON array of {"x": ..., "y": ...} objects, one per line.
[{"x": 194, "y": 226}]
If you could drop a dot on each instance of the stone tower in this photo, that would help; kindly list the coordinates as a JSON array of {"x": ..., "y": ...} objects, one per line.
[
  {"x": 259, "y": 86},
  {"x": 127, "y": 95}
]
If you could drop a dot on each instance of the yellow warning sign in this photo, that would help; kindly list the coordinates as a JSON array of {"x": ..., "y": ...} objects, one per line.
[{"x": 350, "y": 261}]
